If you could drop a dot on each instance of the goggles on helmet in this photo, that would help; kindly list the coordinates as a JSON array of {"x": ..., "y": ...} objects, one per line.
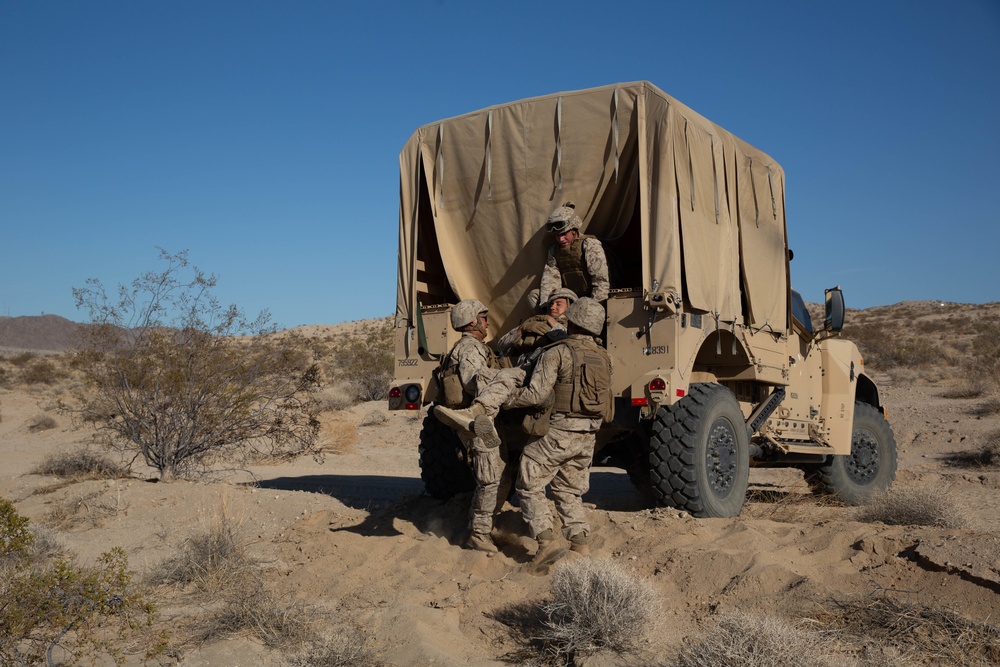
[{"x": 557, "y": 226}]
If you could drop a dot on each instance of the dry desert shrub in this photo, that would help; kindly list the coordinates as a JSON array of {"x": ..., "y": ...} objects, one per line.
[
  {"x": 215, "y": 559},
  {"x": 337, "y": 435},
  {"x": 968, "y": 387},
  {"x": 987, "y": 408},
  {"x": 90, "y": 508},
  {"x": 755, "y": 640},
  {"x": 41, "y": 423},
  {"x": 253, "y": 609},
  {"x": 914, "y": 507},
  {"x": 333, "y": 399},
  {"x": 596, "y": 605},
  {"x": 924, "y": 635},
  {"x": 42, "y": 371},
  {"x": 374, "y": 418},
  {"x": 986, "y": 456},
  {"x": 347, "y": 648},
  {"x": 80, "y": 464}
]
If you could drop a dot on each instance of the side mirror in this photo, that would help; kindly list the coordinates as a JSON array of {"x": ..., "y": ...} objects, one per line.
[{"x": 834, "y": 320}]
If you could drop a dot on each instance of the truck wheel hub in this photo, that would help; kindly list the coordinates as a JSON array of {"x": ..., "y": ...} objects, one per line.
[{"x": 721, "y": 457}]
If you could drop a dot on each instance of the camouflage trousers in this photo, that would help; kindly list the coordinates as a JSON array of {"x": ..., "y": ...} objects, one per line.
[
  {"x": 489, "y": 467},
  {"x": 494, "y": 393},
  {"x": 560, "y": 460}
]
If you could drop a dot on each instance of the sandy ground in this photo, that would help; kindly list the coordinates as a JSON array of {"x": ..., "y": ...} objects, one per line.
[{"x": 353, "y": 535}]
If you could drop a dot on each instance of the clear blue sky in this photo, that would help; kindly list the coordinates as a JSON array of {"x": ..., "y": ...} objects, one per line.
[{"x": 264, "y": 136}]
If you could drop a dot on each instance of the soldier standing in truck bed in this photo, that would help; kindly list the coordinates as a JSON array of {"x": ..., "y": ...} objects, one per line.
[{"x": 574, "y": 261}]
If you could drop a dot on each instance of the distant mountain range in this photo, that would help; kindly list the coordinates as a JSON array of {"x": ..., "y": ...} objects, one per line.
[{"x": 39, "y": 332}]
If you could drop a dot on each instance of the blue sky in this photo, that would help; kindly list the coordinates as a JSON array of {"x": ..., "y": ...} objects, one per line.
[{"x": 264, "y": 136}]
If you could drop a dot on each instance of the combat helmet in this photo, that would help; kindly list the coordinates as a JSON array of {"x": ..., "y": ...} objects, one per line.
[
  {"x": 563, "y": 219},
  {"x": 587, "y": 314},
  {"x": 563, "y": 293},
  {"x": 466, "y": 312}
]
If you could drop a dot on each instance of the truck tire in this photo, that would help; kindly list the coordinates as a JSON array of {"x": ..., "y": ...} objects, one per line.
[
  {"x": 870, "y": 467},
  {"x": 444, "y": 463},
  {"x": 700, "y": 453}
]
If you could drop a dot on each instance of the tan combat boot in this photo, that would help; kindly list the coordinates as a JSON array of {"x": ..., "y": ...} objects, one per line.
[
  {"x": 549, "y": 551},
  {"x": 486, "y": 430},
  {"x": 481, "y": 542},
  {"x": 459, "y": 419},
  {"x": 580, "y": 543}
]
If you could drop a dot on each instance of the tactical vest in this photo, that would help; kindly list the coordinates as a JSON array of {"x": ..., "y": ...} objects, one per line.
[
  {"x": 585, "y": 390},
  {"x": 453, "y": 392},
  {"x": 573, "y": 266}
]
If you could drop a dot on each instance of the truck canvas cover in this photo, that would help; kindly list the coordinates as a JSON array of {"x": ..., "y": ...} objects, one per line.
[{"x": 677, "y": 199}]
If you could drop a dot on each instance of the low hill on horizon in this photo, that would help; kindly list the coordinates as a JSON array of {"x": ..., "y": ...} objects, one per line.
[{"x": 54, "y": 333}]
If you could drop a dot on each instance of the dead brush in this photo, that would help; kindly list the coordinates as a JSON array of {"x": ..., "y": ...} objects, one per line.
[
  {"x": 215, "y": 559},
  {"x": 347, "y": 648},
  {"x": 914, "y": 507},
  {"x": 926, "y": 636},
  {"x": 81, "y": 464},
  {"x": 253, "y": 609},
  {"x": 596, "y": 605},
  {"x": 986, "y": 456},
  {"x": 42, "y": 423},
  {"x": 90, "y": 508},
  {"x": 741, "y": 639}
]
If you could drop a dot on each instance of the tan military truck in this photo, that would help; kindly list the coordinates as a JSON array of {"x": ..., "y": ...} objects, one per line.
[{"x": 717, "y": 366}]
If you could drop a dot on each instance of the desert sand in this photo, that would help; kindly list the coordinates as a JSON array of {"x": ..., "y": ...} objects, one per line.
[{"x": 354, "y": 537}]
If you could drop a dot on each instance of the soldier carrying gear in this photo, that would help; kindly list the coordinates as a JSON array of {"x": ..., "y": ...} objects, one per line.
[
  {"x": 561, "y": 457},
  {"x": 574, "y": 261},
  {"x": 523, "y": 344}
]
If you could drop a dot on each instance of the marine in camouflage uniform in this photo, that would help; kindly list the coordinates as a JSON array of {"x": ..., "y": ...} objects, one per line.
[
  {"x": 577, "y": 262},
  {"x": 561, "y": 459},
  {"x": 516, "y": 344},
  {"x": 476, "y": 365}
]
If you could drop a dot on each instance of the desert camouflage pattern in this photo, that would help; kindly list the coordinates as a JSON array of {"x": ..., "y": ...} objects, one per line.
[
  {"x": 587, "y": 314},
  {"x": 489, "y": 465},
  {"x": 522, "y": 338},
  {"x": 494, "y": 393},
  {"x": 561, "y": 460},
  {"x": 466, "y": 312},
  {"x": 555, "y": 363},
  {"x": 597, "y": 267},
  {"x": 474, "y": 361}
]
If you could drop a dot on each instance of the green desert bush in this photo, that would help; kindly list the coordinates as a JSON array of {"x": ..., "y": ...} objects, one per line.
[
  {"x": 913, "y": 507},
  {"x": 49, "y": 604},
  {"x": 42, "y": 371},
  {"x": 597, "y": 605},
  {"x": 183, "y": 381},
  {"x": 365, "y": 362}
]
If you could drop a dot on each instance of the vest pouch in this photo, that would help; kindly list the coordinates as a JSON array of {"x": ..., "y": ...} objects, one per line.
[
  {"x": 595, "y": 390},
  {"x": 536, "y": 420},
  {"x": 452, "y": 393}
]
